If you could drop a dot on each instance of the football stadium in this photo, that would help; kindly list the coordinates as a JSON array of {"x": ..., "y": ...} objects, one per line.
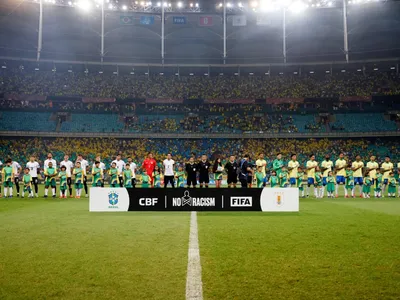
[{"x": 198, "y": 150}]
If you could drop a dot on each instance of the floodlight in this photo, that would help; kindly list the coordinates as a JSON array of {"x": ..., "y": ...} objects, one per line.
[
  {"x": 268, "y": 5},
  {"x": 330, "y": 3},
  {"x": 165, "y": 4},
  {"x": 115, "y": 73},
  {"x": 280, "y": 73},
  {"x": 36, "y": 69},
  {"x": 69, "y": 3},
  {"x": 228, "y": 5},
  {"x": 375, "y": 69},
  {"x": 240, "y": 4},
  {"x": 297, "y": 7},
  {"x": 251, "y": 73},
  {"x": 158, "y": 4},
  {"x": 221, "y": 74},
  {"x": 197, "y": 5},
  {"x": 161, "y": 73},
  {"x": 236, "y": 74},
  {"x": 311, "y": 72},
  {"x": 136, "y": 2},
  {"x": 110, "y": 6},
  {"x": 254, "y": 4},
  {"x": 191, "y": 5},
  {"x": 169, "y": 4},
  {"x": 124, "y": 7},
  {"x": 142, "y": 3},
  {"x": 327, "y": 72},
  {"x": 84, "y": 5},
  {"x": 267, "y": 73},
  {"x": 149, "y": 3},
  {"x": 205, "y": 74},
  {"x": 191, "y": 74},
  {"x": 69, "y": 71},
  {"x": 4, "y": 67},
  {"x": 179, "y": 4},
  {"x": 392, "y": 68},
  {"x": 220, "y": 5},
  {"x": 132, "y": 73},
  {"x": 100, "y": 72},
  {"x": 318, "y": 4},
  {"x": 295, "y": 73},
  {"x": 177, "y": 74},
  {"x": 343, "y": 71},
  {"x": 359, "y": 70}
]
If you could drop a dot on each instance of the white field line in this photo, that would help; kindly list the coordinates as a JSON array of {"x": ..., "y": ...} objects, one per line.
[{"x": 194, "y": 285}]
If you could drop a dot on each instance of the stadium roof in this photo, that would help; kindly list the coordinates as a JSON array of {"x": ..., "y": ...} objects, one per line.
[{"x": 196, "y": 37}]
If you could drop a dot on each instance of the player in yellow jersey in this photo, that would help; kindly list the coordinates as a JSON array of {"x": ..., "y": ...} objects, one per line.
[
  {"x": 386, "y": 168},
  {"x": 372, "y": 166},
  {"x": 326, "y": 167},
  {"x": 310, "y": 167},
  {"x": 357, "y": 167},
  {"x": 340, "y": 166},
  {"x": 293, "y": 166}
]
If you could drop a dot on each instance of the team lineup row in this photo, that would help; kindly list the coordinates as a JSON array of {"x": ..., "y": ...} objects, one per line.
[{"x": 122, "y": 174}]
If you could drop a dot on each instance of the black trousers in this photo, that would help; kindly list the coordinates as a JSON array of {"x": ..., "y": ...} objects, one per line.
[
  {"x": 169, "y": 179},
  {"x": 121, "y": 181},
  {"x": 16, "y": 181},
  {"x": 35, "y": 183},
  {"x": 243, "y": 182}
]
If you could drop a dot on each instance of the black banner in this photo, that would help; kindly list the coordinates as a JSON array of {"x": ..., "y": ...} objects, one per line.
[{"x": 205, "y": 199}]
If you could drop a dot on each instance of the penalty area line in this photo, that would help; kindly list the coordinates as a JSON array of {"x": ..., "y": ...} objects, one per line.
[{"x": 194, "y": 285}]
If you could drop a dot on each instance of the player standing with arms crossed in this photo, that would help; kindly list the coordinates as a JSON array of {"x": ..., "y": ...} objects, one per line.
[
  {"x": 69, "y": 165},
  {"x": 386, "y": 168},
  {"x": 340, "y": 166},
  {"x": 34, "y": 168},
  {"x": 311, "y": 166}
]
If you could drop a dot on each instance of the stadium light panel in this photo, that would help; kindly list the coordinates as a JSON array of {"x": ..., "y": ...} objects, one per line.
[
  {"x": 343, "y": 71},
  {"x": 161, "y": 73},
  {"x": 375, "y": 69},
  {"x": 221, "y": 74},
  {"x": 228, "y": 5},
  {"x": 100, "y": 72},
  {"x": 132, "y": 73},
  {"x": 220, "y": 5},
  {"x": 251, "y": 73},
  {"x": 86, "y": 71},
  {"x": 4, "y": 67},
  {"x": 392, "y": 68},
  {"x": 115, "y": 73},
  {"x": 197, "y": 5},
  {"x": 236, "y": 74},
  {"x": 240, "y": 4},
  {"x": 124, "y": 7},
  {"x": 330, "y": 3},
  {"x": 165, "y": 4},
  {"x": 327, "y": 72},
  {"x": 169, "y": 4},
  {"x": 191, "y": 5},
  {"x": 179, "y": 4},
  {"x": 205, "y": 74},
  {"x": 295, "y": 73},
  {"x": 177, "y": 74},
  {"x": 69, "y": 3},
  {"x": 69, "y": 71},
  {"x": 36, "y": 69},
  {"x": 267, "y": 73},
  {"x": 359, "y": 70},
  {"x": 280, "y": 73},
  {"x": 191, "y": 74},
  {"x": 158, "y": 4},
  {"x": 311, "y": 72}
]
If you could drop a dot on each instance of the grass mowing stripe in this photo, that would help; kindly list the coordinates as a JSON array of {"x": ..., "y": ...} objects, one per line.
[
  {"x": 385, "y": 205},
  {"x": 194, "y": 285}
]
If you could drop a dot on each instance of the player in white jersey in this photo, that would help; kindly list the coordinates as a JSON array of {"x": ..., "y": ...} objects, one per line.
[
  {"x": 101, "y": 166},
  {"x": 84, "y": 166},
  {"x": 120, "y": 166},
  {"x": 69, "y": 165},
  {"x": 16, "y": 169},
  {"x": 133, "y": 168},
  {"x": 34, "y": 168}
]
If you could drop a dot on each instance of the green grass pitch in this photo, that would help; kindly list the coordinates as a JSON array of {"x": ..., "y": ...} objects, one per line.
[{"x": 332, "y": 249}]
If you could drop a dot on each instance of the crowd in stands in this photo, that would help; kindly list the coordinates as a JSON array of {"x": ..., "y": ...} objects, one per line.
[
  {"x": 21, "y": 148},
  {"x": 208, "y": 87}
]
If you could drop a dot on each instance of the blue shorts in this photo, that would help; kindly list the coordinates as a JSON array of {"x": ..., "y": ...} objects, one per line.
[
  {"x": 324, "y": 181},
  {"x": 310, "y": 180},
  {"x": 340, "y": 180},
  {"x": 358, "y": 180},
  {"x": 292, "y": 181},
  {"x": 385, "y": 181}
]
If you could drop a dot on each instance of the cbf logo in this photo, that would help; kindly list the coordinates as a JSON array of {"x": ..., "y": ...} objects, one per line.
[
  {"x": 113, "y": 199},
  {"x": 187, "y": 200},
  {"x": 279, "y": 198}
]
